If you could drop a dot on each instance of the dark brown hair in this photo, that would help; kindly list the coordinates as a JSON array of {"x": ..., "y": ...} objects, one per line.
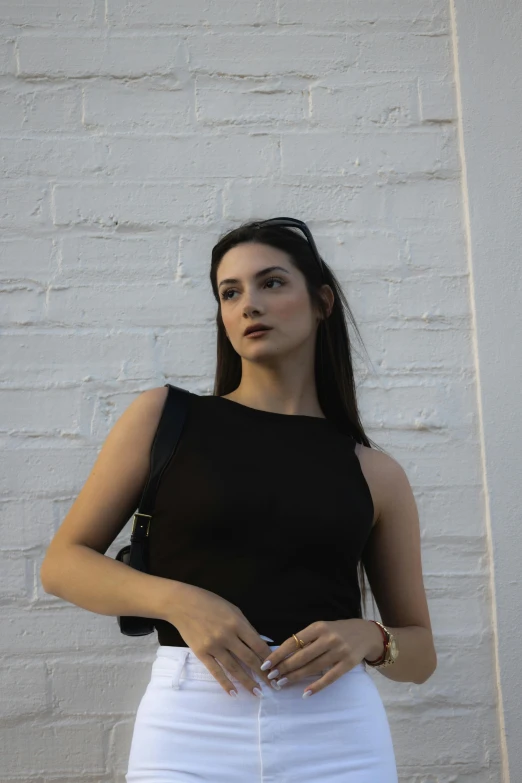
[{"x": 334, "y": 375}]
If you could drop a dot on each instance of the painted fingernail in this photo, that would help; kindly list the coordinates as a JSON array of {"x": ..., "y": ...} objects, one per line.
[
  {"x": 282, "y": 681},
  {"x": 275, "y": 686},
  {"x": 258, "y": 693},
  {"x": 266, "y": 665},
  {"x": 233, "y": 693},
  {"x": 307, "y": 693},
  {"x": 273, "y": 674}
]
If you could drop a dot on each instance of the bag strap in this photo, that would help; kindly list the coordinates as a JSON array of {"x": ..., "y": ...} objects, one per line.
[{"x": 163, "y": 448}]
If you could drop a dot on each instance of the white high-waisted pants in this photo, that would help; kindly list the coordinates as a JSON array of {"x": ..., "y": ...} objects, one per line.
[{"x": 189, "y": 730}]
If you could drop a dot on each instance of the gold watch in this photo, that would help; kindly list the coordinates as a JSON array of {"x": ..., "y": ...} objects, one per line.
[{"x": 391, "y": 650}]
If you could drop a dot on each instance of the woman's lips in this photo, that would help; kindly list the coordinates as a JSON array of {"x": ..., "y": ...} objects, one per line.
[{"x": 258, "y": 334}]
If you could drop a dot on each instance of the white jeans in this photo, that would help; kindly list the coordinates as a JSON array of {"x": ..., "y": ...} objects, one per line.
[{"x": 189, "y": 729}]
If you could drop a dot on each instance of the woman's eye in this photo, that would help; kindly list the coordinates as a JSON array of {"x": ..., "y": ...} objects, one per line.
[{"x": 269, "y": 280}]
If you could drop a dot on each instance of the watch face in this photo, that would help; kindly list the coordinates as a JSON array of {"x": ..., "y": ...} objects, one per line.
[{"x": 394, "y": 650}]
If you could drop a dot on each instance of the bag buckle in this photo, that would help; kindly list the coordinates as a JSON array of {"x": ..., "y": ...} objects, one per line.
[{"x": 141, "y": 524}]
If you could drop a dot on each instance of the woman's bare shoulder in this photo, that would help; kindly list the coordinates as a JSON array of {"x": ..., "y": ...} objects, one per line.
[
  {"x": 381, "y": 472},
  {"x": 114, "y": 486}
]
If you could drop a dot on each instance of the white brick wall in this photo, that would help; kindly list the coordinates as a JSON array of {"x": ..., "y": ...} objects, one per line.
[{"x": 132, "y": 135}]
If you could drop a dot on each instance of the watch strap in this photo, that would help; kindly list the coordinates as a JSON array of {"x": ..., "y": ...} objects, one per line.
[{"x": 386, "y": 639}]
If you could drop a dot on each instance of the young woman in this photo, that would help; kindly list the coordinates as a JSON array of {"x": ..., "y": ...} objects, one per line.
[{"x": 273, "y": 502}]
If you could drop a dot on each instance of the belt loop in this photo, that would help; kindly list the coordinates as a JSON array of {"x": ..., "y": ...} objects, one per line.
[{"x": 181, "y": 665}]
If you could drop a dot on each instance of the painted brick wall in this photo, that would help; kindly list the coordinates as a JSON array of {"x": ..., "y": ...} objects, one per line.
[{"x": 132, "y": 135}]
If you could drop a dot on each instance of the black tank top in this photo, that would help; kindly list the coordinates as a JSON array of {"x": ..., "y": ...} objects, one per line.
[{"x": 268, "y": 510}]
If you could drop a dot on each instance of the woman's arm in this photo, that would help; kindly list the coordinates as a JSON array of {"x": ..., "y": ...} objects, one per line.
[
  {"x": 75, "y": 567},
  {"x": 100, "y": 584},
  {"x": 392, "y": 560},
  {"x": 417, "y": 657}
]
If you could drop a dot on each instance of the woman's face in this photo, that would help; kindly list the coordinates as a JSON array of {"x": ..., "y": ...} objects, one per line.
[{"x": 277, "y": 298}]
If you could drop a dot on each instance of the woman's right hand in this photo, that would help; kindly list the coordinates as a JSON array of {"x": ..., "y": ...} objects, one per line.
[{"x": 218, "y": 632}]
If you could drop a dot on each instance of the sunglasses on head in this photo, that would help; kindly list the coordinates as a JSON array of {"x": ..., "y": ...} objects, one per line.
[{"x": 294, "y": 223}]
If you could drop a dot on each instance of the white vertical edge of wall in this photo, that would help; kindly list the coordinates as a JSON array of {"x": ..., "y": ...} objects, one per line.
[{"x": 488, "y": 68}]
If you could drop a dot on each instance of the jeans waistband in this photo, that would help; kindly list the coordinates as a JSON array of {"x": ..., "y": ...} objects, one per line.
[{"x": 182, "y": 663}]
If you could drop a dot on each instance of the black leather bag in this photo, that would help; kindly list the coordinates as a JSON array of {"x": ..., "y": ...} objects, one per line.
[{"x": 166, "y": 439}]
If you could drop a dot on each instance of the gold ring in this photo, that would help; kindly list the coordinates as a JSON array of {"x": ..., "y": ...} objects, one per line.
[{"x": 299, "y": 642}]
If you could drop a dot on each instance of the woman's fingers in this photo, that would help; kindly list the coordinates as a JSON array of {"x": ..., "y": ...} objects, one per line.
[
  {"x": 252, "y": 656},
  {"x": 227, "y": 663},
  {"x": 231, "y": 660}
]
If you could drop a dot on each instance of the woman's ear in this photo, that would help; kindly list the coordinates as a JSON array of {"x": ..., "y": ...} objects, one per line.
[{"x": 328, "y": 297}]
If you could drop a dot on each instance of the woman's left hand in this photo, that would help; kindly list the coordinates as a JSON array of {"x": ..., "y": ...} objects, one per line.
[{"x": 338, "y": 644}]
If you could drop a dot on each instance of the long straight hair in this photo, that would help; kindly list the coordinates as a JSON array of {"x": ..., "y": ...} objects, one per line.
[{"x": 334, "y": 375}]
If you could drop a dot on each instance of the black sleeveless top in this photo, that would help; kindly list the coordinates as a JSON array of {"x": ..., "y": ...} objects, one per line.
[{"x": 271, "y": 511}]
